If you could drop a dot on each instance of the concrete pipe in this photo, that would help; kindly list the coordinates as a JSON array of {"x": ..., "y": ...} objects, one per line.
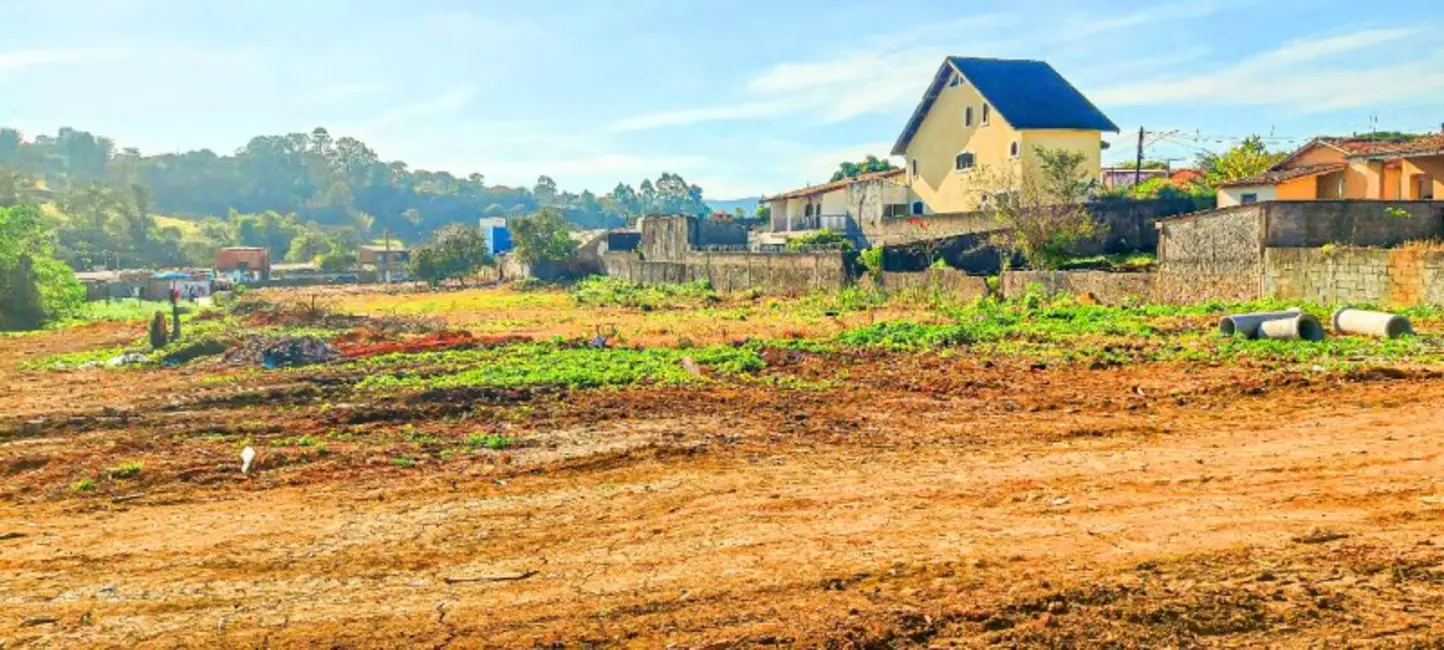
[
  {"x": 1370, "y": 323},
  {"x": 1302, "y": 327},
  {"x": 1246, "y": 325}
]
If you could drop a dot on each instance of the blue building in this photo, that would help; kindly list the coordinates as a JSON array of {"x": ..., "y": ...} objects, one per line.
[{"x": 498, "y": 238}]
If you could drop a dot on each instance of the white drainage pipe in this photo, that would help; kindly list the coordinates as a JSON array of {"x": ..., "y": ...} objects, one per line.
[
  {"x": 1247, "y": 325},
  {"x": 1370, "y": 323},
  {"x": 1300, "y": 327}
]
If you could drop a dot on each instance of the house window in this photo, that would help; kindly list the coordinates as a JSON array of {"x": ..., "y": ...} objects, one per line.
[
  {"x": 893, "y": 210},
  {"x": 953, "y": 83},
  {"x": 1247, "y": 198},
  {"x": 986, "y": 112},
  {"x": 917, "y": 208},
  {"x": 913, "y": 168},
  {"x": 1013, "y": 150},
  {"x": 963, "y": 161},
  {"x": 807, "y": 210},
  {"x": 968, "y": 116}
]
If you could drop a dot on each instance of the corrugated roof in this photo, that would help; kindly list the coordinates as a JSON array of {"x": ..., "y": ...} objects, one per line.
[
  {"x": 828, "y": 187},
  {"x": 1028, "y": 94},
  {"x": 1277, "y": 176}
]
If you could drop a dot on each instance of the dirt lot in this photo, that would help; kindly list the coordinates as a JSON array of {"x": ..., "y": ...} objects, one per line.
[{"x": 865, "y": 498}]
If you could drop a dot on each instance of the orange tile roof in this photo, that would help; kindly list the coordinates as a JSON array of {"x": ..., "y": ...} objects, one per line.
[
  {"x": 836, "y": 185},
  {"x": 1427, "y": 144},
  {"x": 1278, "y": 176}
]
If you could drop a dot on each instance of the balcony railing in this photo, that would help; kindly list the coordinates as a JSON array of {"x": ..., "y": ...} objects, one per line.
[{"x": 837, "y": 222}]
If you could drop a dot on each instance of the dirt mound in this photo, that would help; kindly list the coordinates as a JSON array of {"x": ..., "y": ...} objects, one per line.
[{"x": 369, "y": 343}]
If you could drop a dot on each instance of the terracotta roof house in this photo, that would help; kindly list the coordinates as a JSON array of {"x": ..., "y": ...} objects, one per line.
[
  {"x": 1389, "y": 169},
  {"x": 244, "y": 263},
  {"x": 834, "y": 205}
]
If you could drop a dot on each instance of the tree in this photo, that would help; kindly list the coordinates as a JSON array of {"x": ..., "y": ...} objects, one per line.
[
  {"x": 542, "y": 237},
  {"x": 1246, "y": 160},
  {"x": 868, "y": 165},
  {"x": 545, "y": 191},
  {"x": 34, "y": 286},
  {"x": 456, "y": 252},
  {"x": 1040, "y": 205}
]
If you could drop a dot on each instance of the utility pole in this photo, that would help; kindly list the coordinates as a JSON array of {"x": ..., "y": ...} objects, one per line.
[
  {"x": 1138, "y": 166},
  {"x": 386, "y": 262}
]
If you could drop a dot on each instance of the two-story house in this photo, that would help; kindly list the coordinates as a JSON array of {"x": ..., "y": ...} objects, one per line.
[
  {"x": 1404, "y": 168},
  {"x": 992, "y": 113}
]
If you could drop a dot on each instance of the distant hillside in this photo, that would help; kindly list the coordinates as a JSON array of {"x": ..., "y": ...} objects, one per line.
[{"x": 728, "y": 205}]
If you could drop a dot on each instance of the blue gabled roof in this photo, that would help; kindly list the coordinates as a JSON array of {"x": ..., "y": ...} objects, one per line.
[{"x": 1028, "y": 94}]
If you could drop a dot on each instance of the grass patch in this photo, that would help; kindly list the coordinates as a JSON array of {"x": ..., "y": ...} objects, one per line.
[
  {"x": 605, "y": 291},
  {"x": 403, "y": 462},
  {"x": 82, "y": 486},
  {"x": 126, "y": 470},
  {"x": 489, "y": 441},
  {"x": 550, "y": 364}
]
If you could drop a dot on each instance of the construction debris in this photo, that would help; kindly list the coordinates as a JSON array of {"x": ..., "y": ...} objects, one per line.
[
  {"x": 281, "y": 352},
  {"x": 1348, "y": 320}
]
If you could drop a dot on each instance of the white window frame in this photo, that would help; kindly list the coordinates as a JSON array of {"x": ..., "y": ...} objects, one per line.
[
  {"x": 987, "y": 113},
  {"x": 912, "y": 170},
  {"x": 972, "y": 161},
  {"x": 967, "y": 117},
  {"x": 1016, "y": 149}
]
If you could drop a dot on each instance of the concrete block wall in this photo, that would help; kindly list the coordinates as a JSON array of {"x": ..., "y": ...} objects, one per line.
[
  {"x": 1301, "y": 224},
  {"x": 1105, "y": 287},
  {"x": 1215, "y": 255},
  {"x": 951, "y": 282},
  {"x": 1393, "y": 277},
  {"x": 773, "y": 273}
]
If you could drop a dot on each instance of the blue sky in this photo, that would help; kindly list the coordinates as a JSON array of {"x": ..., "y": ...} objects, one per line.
[{"x": 740, "y": 96}]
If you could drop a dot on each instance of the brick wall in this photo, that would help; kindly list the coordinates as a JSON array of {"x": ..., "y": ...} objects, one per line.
[
  {"x": 953, "y": 283},
  {"x": 1104, "y": 287},
  {"x": 774, "y": 273},
  {"x": 1216, "y": 255},
  {"x": 1395, "y": 277}
]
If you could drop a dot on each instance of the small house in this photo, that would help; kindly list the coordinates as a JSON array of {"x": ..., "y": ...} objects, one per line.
[
  {"x": 1395, "y": 168},
  {"x": 244, "y": 263},
  {"x": 498, "y": 238}
]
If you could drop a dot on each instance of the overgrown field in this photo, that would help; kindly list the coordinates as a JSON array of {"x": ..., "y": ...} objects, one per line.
[{"x": 655, "y": 465}]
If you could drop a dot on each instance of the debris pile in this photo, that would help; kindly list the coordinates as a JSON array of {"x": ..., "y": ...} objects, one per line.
[
  {"x": 370, "y": 343},
  {"x": 281, "y": 352}
]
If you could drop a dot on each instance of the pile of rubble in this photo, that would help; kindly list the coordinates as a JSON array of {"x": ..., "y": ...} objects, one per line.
[{"x": 281, "y": 352}]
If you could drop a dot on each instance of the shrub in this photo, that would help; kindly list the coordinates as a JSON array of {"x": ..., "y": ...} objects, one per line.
[
  {"x": 871, "y": 260},
  {"x": 157, "y": 332},
  {"x": 824, "y": 239},
  {"x": 126, "y": 470}
]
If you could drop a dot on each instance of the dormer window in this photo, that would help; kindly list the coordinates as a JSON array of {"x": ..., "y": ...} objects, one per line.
[
  {"x": 986, "y": 113},
  {"x": 963, "y": 161},
  {"x": 968, "y": 116},
  {"x": 954, "y": 81}
]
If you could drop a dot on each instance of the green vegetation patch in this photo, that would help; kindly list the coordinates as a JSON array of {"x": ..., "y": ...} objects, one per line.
[
  {"x": 550, "y": 364},
  {"x": 605, "y": 291}
]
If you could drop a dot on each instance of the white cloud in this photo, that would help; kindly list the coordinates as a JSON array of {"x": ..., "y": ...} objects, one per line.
[
  {"x": 1306, "y": 74},
  {"x": 446, "y": 103},
  {"x": 18, "y": 60},
  {"x": 337, "y": 93},
  {"x": 1164, "y": 12}
]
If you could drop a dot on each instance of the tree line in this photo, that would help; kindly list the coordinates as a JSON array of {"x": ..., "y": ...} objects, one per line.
[{"x": 300, "y": 195}]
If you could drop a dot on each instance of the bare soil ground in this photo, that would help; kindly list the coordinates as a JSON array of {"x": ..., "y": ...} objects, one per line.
[{"x": 924, "y": 501}]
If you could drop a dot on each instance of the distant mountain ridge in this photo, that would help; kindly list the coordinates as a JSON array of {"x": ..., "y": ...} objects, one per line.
[{"x": 728, "y": 205}]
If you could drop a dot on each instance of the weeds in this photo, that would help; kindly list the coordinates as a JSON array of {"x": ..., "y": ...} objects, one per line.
[
  {"x": 603, "y": 291},
  {"x": 403, "y": 462},
  {"x": 492, "y": 442},
  {"x": 83, "y": 485},
  {"x": 126, "y": 470}
]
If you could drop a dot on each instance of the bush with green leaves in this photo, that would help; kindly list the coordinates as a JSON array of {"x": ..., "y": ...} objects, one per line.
[
  {"x": 456, "y": 252},
  {"x": 825, "y": 239},
  {"x": 35, "y": 288}
]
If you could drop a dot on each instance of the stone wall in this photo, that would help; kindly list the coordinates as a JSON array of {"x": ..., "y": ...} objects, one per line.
[
  {"x": 1215, "y": 255},
  {"x": 666, "y": 239},
  {"x": 1101, "y": 286},
  {"x": 1394, "y": 277},
  {"x": 773, "y": 273},
  {"x": 953, "y": 283}
]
